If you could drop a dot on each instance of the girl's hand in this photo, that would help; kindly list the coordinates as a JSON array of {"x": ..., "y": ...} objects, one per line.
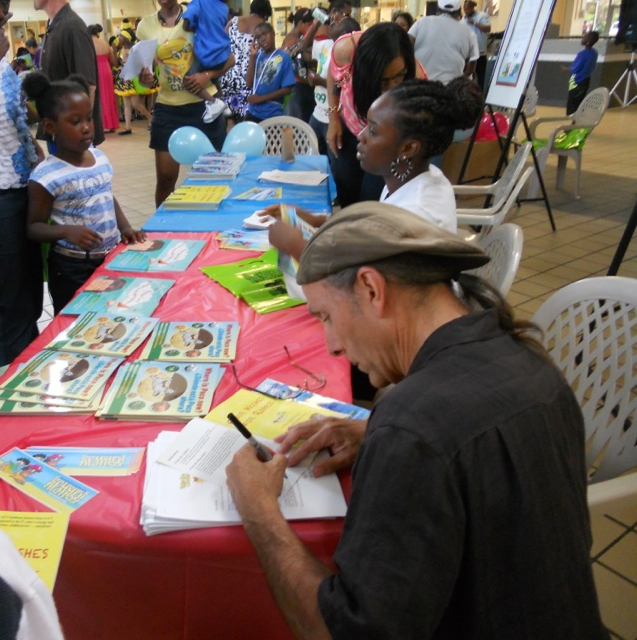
[
  {"x": 131, "y": 236},
  {"x": 82, "y": 237},
  {"x": 335, "y": 135}
]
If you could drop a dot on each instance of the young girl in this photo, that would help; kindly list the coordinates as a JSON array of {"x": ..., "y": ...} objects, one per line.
[
  {"x": 72, "y": 189},
  {"x": 406, "y": 126}
]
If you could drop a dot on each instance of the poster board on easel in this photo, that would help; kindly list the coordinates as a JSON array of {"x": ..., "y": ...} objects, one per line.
[{"x": 518, "y": 52}]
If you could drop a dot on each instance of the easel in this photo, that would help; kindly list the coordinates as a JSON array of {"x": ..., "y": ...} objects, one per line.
[
  {"x": 629, "y": 74},
  {"x": 504, "y": 148}
]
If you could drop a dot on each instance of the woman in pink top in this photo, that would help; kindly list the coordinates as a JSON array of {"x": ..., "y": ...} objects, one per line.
[{"x": 363, "y": 65}]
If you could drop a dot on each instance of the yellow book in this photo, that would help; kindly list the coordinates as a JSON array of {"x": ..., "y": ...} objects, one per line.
[
  {"x": 39, "y": 537},
  {"x": 196, "y": 197},
  {"x": 264, "y": 416}
]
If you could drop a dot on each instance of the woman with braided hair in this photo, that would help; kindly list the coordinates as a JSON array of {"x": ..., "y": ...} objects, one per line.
[{"x": 408, "y": 125}]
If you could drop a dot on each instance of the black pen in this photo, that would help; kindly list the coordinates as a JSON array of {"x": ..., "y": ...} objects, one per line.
[{"x": 262, "y": 452}]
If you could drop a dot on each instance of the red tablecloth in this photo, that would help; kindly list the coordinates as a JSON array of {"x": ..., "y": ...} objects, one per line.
[{"x": 114, "y": 582}]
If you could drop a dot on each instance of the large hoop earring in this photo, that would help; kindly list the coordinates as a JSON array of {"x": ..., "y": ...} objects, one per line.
[{"x": 396, "y": 171}]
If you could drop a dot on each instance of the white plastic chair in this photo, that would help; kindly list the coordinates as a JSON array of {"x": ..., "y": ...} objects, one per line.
[
  {"x": 504, "y": 193},
  {"x": 588, "y": 115},
  {"x": 305, "y": 140},
  {"x": 590, "y": 330},
  {"x": 504, "y": 247}
]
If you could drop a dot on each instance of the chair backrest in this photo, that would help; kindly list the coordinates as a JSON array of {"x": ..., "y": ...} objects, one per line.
[
  {"x": 504, "y": 246},
  {"x": 508, "y": 179},
  {"x": 305, "y": 140},
  {"x": 592, "y": 109},
  {"x": 590, "y": 330}
]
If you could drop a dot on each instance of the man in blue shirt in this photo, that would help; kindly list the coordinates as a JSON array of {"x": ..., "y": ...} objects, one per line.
[{"x": 581, "y": 72}]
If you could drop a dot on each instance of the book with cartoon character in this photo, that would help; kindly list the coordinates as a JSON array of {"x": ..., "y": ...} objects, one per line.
[
  {"x": 192, "y": 342},
  {"x": 91, "y": 461},
  {"x": 135, "y": 296},
  {"x": 113, "y": 334},
  {"x": 65, "y": 375},
  {"x": 43, "y": 482},
  {"x": 157, "y": 254},
  {"x": 161, "y": 391}
]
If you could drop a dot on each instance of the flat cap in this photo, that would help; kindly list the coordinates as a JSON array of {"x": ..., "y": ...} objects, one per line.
[{"x": 369, "y": 231}]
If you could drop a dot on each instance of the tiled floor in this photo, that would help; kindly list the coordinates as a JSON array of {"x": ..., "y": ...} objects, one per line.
[{"x": 588, "y": 231}]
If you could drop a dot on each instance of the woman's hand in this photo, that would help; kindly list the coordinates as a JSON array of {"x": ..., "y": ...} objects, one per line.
[
  {"x": 196, "y": 83},
  {"x": 335, "y": 135}
]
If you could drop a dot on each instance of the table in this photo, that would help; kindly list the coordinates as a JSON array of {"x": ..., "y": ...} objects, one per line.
[
  {"x": 115, "y": 582},
  {"x": 231, "y": 213}
]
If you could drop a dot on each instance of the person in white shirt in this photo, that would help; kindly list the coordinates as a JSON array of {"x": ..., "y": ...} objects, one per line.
[
  {"x": 445, "y": 46},
  {"x": 480, "y": 23}
]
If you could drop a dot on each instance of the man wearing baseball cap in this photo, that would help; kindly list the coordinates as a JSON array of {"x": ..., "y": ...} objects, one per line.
[
  {"x": 468, "y": 514},
  {"x": 444, "y": 45}
]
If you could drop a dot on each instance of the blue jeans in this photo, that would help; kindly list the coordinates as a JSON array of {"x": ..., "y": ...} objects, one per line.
[{"x": 20, "y": 277}]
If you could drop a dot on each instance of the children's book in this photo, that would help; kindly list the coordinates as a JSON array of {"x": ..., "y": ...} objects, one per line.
[
  {"x": 192, "y": 342},
  {"x": 261, "y": 193},
  {"x": 311, "y": 399},
  {"x": 30, "y": 404},
  {"x": 257, "y": 280},
  {"x": 213, "y": 172},
  {"x": 222, "y": 158},
  {"x": 39, "y": 537},
  {"x": 158, "y": 254},
  {"x": 244, "y": 240},
  {"x": 42, "y": 482},
  {"x": 104, "y": 333},
  {"x": 138, "y": 296},
  {"x": 91, "y": 461},
  {"x": 161, "y": 391},
  {"x": 196, "y": 197},
  {"x": 61, "y": 374},
  {"x": 264, "y": 416}
]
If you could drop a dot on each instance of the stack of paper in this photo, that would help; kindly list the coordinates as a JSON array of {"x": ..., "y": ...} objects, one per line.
[
  {"x": 104, "y": 333},
  {"x": 196, "y": 197},
  {"x": 163, "y": 254},
  {"x": 185, "y": 485},
  {"x": 192, "y": 342},
  {"x": 72, "y": 380},
  {"x": 260, "y": 193},
  {"x": 160, "y": 391},
  {"x": 300, "y": 178},
  {"x": 218, "y": 165}
]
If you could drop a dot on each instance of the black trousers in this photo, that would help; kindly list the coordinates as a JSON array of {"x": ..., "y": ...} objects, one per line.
[
  {"x": 576, "y": 95},
  {"x": 67, "y": 275}
]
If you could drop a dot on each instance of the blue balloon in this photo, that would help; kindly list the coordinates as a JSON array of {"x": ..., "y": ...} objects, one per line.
[
  {"x": 247, "y": 137},
  {"x": 186, "y": 144}
]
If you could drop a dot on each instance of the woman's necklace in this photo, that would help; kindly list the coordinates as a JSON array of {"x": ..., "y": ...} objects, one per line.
[{"x": 163, "y": 20}]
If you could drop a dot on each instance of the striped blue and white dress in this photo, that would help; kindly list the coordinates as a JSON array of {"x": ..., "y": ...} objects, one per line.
[{"x": 82, "y": 196}]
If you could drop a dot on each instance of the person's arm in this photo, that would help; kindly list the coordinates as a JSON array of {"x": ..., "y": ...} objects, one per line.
[
  {"x": 293, "y": 573},
  {"x": 256, "y": 98},
  {"x": 469, "y": 68},
  {"x": 129, "y": 235},
  {"x": 287, "y": 239},
  {"x": 343, "y": 437},
  {"x": 334, "y": 136},
  {"x": 314, "y": 219},
  {"x": 38, "y": 229},
  {"x": 197, "y": 82},
  {"x": 578, "y": 63},
  {"x": 485, "y": 26},
  {"x": 254, "y": 50}
]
